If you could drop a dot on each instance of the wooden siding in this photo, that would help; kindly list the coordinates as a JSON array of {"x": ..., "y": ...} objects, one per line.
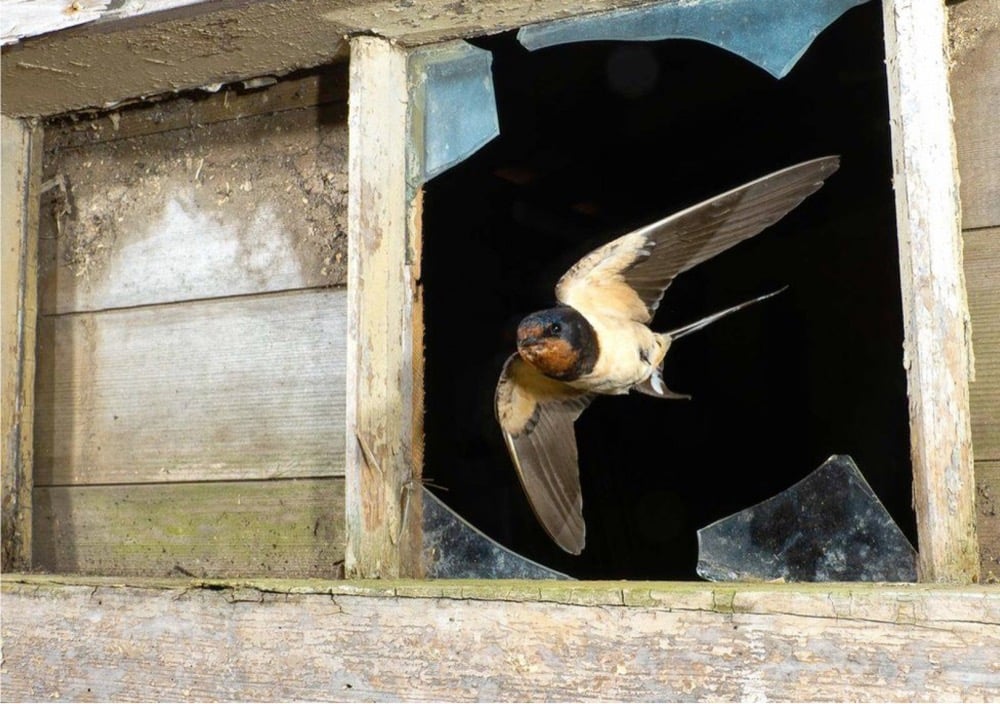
[
  {"x": 192, "y": 343},
  {"x": 974, "y": 34},
  {"x": 498, "y": 641}
]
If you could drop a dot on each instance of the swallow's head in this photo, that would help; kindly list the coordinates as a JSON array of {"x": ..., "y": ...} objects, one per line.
[{"x": 559, "y": 342}]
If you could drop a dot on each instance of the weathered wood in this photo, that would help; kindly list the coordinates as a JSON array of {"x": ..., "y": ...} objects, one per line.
[
  {"x": 936, "y": 352},
  {"x": 974, "y": 32},
  {"x": 28, "y": 18},
  {"x": 982, "y": 276},
  {"x": 238, "y": 388},
  {"x": 19, "y": 193},
  {"x": 224, "y": 42},
  {"x": 321, "y": 87},
  {"x": 246, "y": 206},
  {"x": 500, "y": 642},
  {"x": 383, "y": 511},
  {"x": 217, "y": 529},
  {"x": 988, "y": 515}
]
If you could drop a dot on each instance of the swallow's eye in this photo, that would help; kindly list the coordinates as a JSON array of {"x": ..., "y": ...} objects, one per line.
[{"x": 556, "y": 328}]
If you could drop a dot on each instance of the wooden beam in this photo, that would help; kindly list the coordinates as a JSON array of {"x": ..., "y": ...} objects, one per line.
[
  {"x": 20, "y": 192},
  {"x": 496, "y": 640},
  {"x": 937, "y": 349},
  {"x": 208, "y": 43},
  {"x": 384, "y": 343}
]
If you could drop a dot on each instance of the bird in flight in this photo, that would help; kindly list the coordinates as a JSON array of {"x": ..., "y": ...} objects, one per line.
[{"x": 597, "y": 339}]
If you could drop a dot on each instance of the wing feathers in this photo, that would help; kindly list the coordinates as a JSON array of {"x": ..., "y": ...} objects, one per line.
[
  {"x": 637, "y": 268},
  {"x": 536, "y": 415}
]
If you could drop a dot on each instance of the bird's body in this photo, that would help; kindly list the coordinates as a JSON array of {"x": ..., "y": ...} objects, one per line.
[{"x": 597, "y": 341}]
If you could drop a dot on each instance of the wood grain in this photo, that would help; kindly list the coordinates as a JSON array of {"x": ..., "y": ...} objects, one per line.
[
  {"x": 498, "y": 641},
  {"x": 937, "y": 348},
  {"x": 988, "y": 518},
  {"x": 243, "y": 206},
  {"x": 982, "y": 276},
  {"x": 236, "y": 388},
  {"x": 383, "y": 511},
  {"x": 19, "y": 193},
  {"x": 974, "y": 30},
  {"x": 223, "y": 42},
  {"x": 319, "y": 87},
  {"x": 218, "y": 529}
]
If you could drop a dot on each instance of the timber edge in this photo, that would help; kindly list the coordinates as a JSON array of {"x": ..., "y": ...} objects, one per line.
[{"x": 724, "y": 598}]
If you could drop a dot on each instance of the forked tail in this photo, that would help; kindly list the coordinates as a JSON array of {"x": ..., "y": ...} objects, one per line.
[
  {"x": 654, "y": 386},
  {"x": 708, "y": 320}
]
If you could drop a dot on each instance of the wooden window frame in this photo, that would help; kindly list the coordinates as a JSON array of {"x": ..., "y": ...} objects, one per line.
[{"x": 384, "y": 453}]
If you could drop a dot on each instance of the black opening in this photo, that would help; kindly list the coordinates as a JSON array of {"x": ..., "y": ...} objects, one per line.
[{"x": 599, "y": 138}]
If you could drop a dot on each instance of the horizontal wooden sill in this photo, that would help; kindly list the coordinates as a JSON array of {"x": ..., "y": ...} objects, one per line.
[{"x": 72, "y": 637}]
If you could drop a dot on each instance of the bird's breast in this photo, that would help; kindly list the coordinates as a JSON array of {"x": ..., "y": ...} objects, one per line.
[{"x": 629, "y": 353}]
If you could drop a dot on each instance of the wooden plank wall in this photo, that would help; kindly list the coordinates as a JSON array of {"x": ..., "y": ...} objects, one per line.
[
  {"x": 192, "y": 337},
  {"x": 974, "y": 28}
]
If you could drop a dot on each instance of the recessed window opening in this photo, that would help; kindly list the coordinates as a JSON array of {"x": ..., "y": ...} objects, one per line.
[{"x": 599, "y": 138}]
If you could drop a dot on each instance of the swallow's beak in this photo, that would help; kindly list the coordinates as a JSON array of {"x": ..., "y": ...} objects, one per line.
[{"x": 529, "y": 336}]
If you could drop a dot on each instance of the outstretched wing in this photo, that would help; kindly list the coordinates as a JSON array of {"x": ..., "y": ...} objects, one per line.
[
  {"x": 536, "y": 415},
  {"x": 628, "y": 275}
]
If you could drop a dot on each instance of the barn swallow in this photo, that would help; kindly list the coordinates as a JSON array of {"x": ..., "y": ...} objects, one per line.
[{"x": 597, "y": 339}]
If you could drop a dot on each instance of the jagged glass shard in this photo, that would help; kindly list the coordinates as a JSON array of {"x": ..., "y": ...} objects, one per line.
[
  {"x": 828, "y": 527},
  {"x": 453, "y": 549},
  {"x": 773, "y": 34},
  {"x": 454, "y": 111}
]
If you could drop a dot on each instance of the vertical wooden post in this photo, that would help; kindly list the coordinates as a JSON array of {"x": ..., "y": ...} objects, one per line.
[
  {"x": 21, "y": 167},
  {"x": 384, "y": 386},
  {"x": 937, "y": 349}
]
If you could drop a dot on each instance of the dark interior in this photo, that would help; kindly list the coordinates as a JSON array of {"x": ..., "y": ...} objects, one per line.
[{"x": 599, "y": 138}]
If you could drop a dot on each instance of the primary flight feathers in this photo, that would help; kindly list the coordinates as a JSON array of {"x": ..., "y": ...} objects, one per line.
[{"x": 596, "y": 341}]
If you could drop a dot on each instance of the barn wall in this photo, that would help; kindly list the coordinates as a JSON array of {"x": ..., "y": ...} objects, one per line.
[
  {"x": 192, "y": 336},
  {"x": 975, "y": 88}
]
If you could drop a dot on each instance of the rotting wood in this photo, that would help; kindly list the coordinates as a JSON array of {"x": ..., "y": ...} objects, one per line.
[
  {"x": 610, "y": 641},
  {"x": 319, "y": 87},
  {"x": 235, "y": 388},
  {"x": 383, "y": 511},
  {"x": 218, "y": 529},
  {"x": 974, "y": 32},
  {"x": 19, "y": 193},
  {"x": 224, "y": 42},
  {"x": 937, "y": 347},
  {"x": 247, "y": 206}
]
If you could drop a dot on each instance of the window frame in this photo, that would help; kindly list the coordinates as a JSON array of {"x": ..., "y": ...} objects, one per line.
[{"x": 384, "y": 455}]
